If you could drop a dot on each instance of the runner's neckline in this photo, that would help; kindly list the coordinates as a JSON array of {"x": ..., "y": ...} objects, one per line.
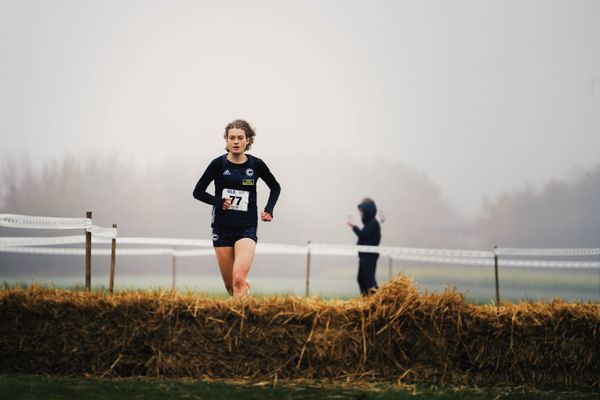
[{"x": 234, "y": 163}]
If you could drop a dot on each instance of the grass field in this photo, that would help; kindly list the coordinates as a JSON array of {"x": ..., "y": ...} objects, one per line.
[
  {"x": 476, "y": 283},
  {"x": 44, "y": 387}
]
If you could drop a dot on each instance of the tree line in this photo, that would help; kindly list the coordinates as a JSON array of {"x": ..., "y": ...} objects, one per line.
[{"x": 156, "y": 200}]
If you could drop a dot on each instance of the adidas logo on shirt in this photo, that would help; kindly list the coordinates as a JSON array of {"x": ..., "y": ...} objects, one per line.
[{"x": 226, "y": 172}]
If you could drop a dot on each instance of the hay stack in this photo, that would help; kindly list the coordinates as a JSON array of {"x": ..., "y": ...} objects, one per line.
[{"x": 395, "y": 335}]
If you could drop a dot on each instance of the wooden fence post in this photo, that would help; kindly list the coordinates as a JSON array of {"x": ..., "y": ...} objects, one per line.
[
  {"x": 308, "y": 270},
  {"x": 496, "y": 273},
  {"x": 174, "y": 270},
  {"x": 113, "y": 250},
  {"x": 88, "y": 256}
]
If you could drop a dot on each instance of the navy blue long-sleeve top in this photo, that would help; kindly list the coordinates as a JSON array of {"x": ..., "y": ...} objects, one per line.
[{"x": 238, "y": 182}]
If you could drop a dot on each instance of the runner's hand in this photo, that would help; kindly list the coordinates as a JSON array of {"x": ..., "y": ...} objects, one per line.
[
  {"x": 265, "y": 216},
  {"x": 226, "y": 203}
]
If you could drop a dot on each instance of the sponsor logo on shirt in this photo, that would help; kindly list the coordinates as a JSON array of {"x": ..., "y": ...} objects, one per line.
[
  {"x": 248, "y": 182},
  {"x": 226, "y": 172},
  {"x": 249, "y": 172}
]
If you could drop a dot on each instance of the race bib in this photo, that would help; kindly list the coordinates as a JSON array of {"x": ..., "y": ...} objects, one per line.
[{"x": 239, "y": 199}]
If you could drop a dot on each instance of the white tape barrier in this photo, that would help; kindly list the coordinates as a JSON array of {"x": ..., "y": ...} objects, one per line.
[
  {"x": 33, "y": 222},
  {"x": 286, "y": 249},
  {"x": 483, "y": 262},
  {"x": 58, "y": 240},
  {"x": 165, "y": 241},
  {"x": 300, "y": 250},
  {"x": 347, "y": 250},
  {"x": 43, "y": 241},
  {"x": 548, "y": 264},
  {"x": 32, "y": 245},
  {"x": 445, "y": 252},
  {"x": 506, "y": 251},
  {"x": 107, "y": 252},
  {"x": 486, "y": 262},
  {"x": 106, "y": 233},
  {"x": 455, "y": 257},
  {"x": 101, "y": 234}
]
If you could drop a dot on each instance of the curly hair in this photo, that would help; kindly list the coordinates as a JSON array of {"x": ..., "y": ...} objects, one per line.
[{"x": 243, "y": 125}]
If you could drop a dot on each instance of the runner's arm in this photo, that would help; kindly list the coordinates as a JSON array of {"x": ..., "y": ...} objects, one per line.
[
  {"x": 273, "y": 185},
  {"x": 207, "y": 177}
]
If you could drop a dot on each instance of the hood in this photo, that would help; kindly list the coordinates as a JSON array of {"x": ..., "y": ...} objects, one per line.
[{"x": 368, "y": 208}]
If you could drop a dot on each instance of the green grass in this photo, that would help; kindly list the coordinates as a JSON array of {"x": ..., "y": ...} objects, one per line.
[
  {"x": 44, "y": 387},
  {"x": 221, "y": 294},
  {"x": 338, "y": 282}
]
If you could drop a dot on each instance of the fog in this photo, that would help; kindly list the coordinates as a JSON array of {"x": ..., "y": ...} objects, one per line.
[
  {"x": 315, "y": 199},
  {"x": 157, "y": 201},
  {"x": 470, "y": 123},
  {"x": 483, "y": 97}
]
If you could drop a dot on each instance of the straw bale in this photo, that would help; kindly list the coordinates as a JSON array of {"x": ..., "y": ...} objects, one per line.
[{"x": 396, "y": 335}]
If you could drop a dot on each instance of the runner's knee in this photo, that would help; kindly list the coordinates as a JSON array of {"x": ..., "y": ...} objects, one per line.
[{"x": 239, "y": 281}]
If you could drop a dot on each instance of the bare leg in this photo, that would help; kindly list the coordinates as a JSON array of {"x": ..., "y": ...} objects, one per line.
[
  {"x": 244, "y": 254},
  {"x": 225, "y": 258}
]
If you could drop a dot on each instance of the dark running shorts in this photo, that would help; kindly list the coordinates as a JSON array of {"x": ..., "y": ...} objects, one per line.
[{"x": 226, "y": 237}]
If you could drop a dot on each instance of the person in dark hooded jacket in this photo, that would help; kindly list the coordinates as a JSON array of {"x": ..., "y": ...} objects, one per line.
[{"x": 369, "y": 235}]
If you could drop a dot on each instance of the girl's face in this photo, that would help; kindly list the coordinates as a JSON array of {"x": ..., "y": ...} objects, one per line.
[{"x": 236, "y": 141}]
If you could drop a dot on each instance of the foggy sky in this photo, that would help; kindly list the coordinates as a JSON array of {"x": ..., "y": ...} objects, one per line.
[{"x": 482, "y": 96}]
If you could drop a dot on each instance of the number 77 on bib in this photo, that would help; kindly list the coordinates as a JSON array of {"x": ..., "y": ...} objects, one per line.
[{"x": 239, "y": 199}]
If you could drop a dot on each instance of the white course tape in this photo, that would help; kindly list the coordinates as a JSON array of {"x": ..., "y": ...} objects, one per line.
[
  {"x": 48, "y": 241},
  {"x": 41, "y": 241},
  {"x": 193, "y": 253},
  {"x": 548, "y": 264},
  {"x": 43, "y": 250},
  {"x": 301, "y": 250},
  {"x": 107, "y": 252},
  {"x": 484, "y": 262},
  {"x": 270, "y": 248},
  {"x": 33, "y": 245},
  {"x": 506, "y": 251},
  {"x": 106, "y": 233},
  {"x": 442, "y": 252},
  {"x": 33, "y": 222},
  {"x": 57, "y": 240},
  {"x": 165, "y": 241},
  {"x": 347, "y": 250}
]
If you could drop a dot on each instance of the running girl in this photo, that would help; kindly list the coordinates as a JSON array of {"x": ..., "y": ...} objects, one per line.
[{"x": 234, "y": 213}]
